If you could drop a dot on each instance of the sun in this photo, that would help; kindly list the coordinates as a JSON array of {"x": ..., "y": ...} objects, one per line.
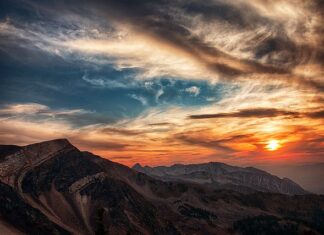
[{"x": 273, "y": 145}]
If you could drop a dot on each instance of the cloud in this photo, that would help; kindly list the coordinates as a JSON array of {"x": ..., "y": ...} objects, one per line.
[
  {"x": 316, "y": 114},
  {"x": 160, "y": 124},
  {"x": 158, "y": 94},
  {"x": 248, "y": 113},
  {"x": 22, "y": 132},
  {"x": 107, "y": 83},
  {"x": 99, "y": 144},
  {"x": 139, "y": 98},
  {"x": 36, "y": 112},
  {"x": 261, "y": 113},
  {"x": 194, "y": 90},
  {"x": 213, "y": 144},
  {"x": 37, "y": 109},
  {"x": 120, "y": 131},
  {"x": 23, "y": 109},
  {"x": 161, "y": 29},
  {"x": 208, "y": 40},
  {"x": 274, "y": 49},
  {"x": 120, "y": 157},
  {"x": 268, "y": 53},
  {"x": 172, "y": 136},
  {"x": 95, "y": 82}
]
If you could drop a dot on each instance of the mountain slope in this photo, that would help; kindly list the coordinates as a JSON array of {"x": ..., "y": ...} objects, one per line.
[
  {"x": 53, "y": 188},
  {"x": 220, "y": 175}
]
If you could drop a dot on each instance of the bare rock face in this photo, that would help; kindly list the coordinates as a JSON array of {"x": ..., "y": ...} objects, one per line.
[
  {"x": 53, "y": 188},
  {"x": 220, "y": 175},
  {"x": 15, "y": 163}
]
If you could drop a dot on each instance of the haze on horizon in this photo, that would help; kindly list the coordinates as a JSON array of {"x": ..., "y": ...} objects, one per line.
[{"x": 164, "y": 82}]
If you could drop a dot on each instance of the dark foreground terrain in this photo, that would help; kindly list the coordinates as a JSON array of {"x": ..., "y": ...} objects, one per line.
[{"x": 53, "y": 188}]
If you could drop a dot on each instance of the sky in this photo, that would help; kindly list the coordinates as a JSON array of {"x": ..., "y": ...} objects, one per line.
[{"x": 164, "y": 82}]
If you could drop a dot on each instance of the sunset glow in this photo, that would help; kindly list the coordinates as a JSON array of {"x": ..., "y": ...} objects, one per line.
[{"x": 273, "y": 145}]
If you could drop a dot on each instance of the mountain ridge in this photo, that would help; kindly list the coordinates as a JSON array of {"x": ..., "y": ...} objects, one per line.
[
  {"x": 73, "y": 192},
  {"x": 224, "y": 174}
]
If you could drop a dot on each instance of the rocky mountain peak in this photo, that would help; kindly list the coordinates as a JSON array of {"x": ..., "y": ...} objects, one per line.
[
  {"x": 30, "y": 156},
  {"x": 47, "y": 148},
  {"x": 52, "y": 144},
  {"x": 137, "y": 166}
]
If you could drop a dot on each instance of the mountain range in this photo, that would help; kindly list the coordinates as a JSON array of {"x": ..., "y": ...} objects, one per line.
[
  {"x": 220, "y": 175},
  {"x": 54, "y": 188}
]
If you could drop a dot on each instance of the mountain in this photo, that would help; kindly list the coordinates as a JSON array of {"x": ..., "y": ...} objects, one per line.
[
  {"x": 220, "y": 175},
  {"x": 54, "y": 188}
]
